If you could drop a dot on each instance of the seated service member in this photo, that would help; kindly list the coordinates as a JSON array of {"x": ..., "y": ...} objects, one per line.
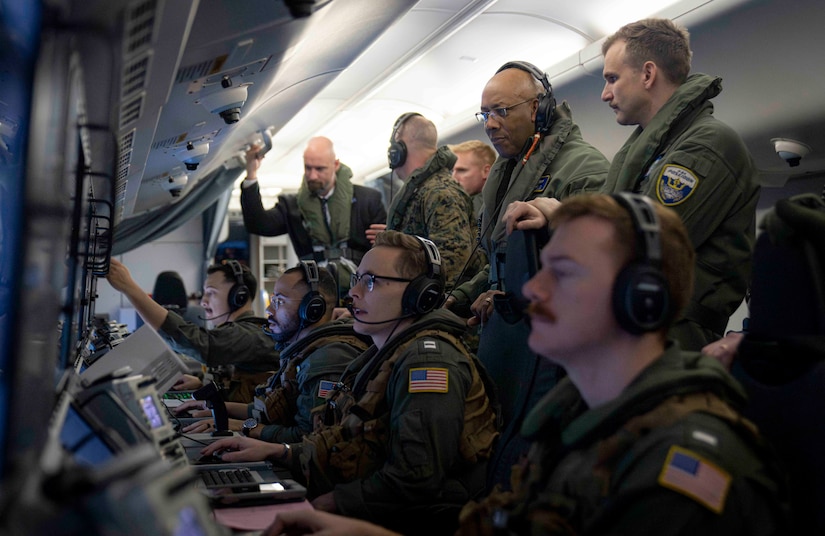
[
  {"x": 314, "y": 352},
  {"x": 640, "y": 437},
  {"x": 237, "y": 339},
  {"x": 408, "y": 431}
]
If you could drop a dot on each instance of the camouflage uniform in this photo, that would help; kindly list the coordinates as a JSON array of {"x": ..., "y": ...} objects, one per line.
[
  {"x": 697, "y": 165},
  {"x": 433, "y": 205},
  {"x": 671, "y": 455},
  {"x": 310, "y": 368}
]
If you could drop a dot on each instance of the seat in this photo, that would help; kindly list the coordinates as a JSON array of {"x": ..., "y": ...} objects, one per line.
[{"x": 781, "y": 359}]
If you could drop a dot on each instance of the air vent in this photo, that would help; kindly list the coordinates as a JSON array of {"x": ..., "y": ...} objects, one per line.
[
  {"x": 199, "y": 70},
  {"x": 168, "y": 142},
  {"x": 140, "y": 26},
  {"x": 131, "y": 110},
  {"x": 124, "y": 160},
  {"x": 134, "y": 76}
]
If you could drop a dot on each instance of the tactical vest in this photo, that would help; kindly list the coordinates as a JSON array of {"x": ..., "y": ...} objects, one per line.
[
  {"x": 351, "y": 436},
  {"x": 276, "y": 402},
  {"x": 506, "y": 512}
]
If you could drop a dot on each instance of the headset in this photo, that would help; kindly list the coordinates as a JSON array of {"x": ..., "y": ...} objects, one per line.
[
  {"x": 641, "y": 296},
  {"x": 312, "y": 307},
  {"x": 547, "y": 102},
  {"x": 426, "y": 291},
  {"x": 397, "y": 152},
  {"x": 239, "y": 293}
]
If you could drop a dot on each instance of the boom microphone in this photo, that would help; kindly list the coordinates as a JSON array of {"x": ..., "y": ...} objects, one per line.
[{"x": 348, "y": 305}]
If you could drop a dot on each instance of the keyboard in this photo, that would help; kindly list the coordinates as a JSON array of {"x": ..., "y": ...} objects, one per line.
[{"x": 221, "y": 478}]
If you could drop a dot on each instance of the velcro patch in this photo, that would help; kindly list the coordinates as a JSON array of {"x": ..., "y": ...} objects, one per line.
[
  {"x": 688, "y": 473},
  {"x": 428, "y": 380},
  {"x": 427, "y": 345},
  {"x": 541, "y": 186},
  {"x": 324, "y": 388},
  {"x": 675, "y": 184}
]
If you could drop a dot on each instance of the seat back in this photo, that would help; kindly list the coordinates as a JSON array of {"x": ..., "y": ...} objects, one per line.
[{"x": 782, "y": 358}]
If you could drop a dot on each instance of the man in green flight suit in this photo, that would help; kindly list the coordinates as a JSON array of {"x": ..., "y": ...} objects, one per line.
[
  {"x": 686, "y": 159},
  {"x": 640, "y": 437},
  {"x": 314, "y": 350},
  {"x": 237, "y": 339},
  {"x": 681, "y": 155},
  {"x": 409, "y": 428},
  {"x": 542, "y": 155}
]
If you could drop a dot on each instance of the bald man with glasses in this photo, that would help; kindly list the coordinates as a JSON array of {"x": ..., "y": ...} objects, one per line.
[{"x": 541, "y": 155}]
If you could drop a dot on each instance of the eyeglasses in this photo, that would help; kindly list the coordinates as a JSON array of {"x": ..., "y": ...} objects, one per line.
[
  {"x": 369, "y": 280},
  {"x": 500, "y": 113},
  {"x": 279, "y": 301}
]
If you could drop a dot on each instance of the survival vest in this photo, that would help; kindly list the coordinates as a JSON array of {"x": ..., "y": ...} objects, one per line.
[{"x": 352, "y": 429}]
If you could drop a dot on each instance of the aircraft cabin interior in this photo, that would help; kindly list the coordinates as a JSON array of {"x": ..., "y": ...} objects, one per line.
[{"x": 124, "y": 126}]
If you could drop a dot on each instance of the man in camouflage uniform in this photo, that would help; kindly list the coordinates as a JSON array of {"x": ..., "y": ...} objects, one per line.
[
  {"x": 407, "y": 432},
  {"x": 431, "y": 204},
  {"x": 314, "y": 352}
]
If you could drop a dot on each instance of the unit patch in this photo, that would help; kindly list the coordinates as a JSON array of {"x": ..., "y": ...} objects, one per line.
[
  {"x": 688, "y": 473},
  {"x": 541, "y": 186},
  {"x": 675, "y": 184},
  {"x": 428, "y": 380}
]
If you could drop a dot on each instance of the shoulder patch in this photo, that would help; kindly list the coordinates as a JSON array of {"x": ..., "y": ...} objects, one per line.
[
  {"x": 324, "y": 388},
  {"x": 427, "y": 345},
  {"x": 675, "y": 184},
  {"x": 541, "y": 186},
  {"x": 428, "y": 380},
  {"x": 688, "y": 473}
]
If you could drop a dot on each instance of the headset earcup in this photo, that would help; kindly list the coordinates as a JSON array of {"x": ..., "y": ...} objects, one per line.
[
  {"x": 312, "y": 308},
  {"x": 422, "y": 295},
  {"x": 544, "y": 112},
  {"x": 641, "y": 299},
  {"x": 397, "y": 154},
  {"x": 238, "y": 296}
]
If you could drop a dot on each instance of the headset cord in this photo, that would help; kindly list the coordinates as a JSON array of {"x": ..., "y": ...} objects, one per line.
[{"x": 527, "y": 155}]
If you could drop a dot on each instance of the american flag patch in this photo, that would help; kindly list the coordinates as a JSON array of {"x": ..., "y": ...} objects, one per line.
[
  {"x": 428, "y": 380},
  {"x": 324, "y": 388},
  {"x": 689, "y": 474}
]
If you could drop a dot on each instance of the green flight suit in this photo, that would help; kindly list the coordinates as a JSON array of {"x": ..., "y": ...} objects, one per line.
[
  {"x": 309, "y": 368},
  {"x": 698, "y": 166},
  {"x": 669, "y": 456},
  {"x": 562, "y": 165}
]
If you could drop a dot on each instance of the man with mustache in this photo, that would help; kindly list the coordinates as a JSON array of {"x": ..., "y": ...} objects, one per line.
[
  {"x": 640, "y": 437},
  {"x": 314, "y": 352}
]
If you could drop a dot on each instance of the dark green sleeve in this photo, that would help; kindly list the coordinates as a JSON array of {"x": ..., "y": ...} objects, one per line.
[{"x": 425, "y": 431}]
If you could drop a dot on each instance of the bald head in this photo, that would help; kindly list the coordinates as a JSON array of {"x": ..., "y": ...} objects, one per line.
[
  {"x": 420, "y": 137},
  {"x": 508, "y": 89},
  {"x": 320, "y": 165},
  {"x": 418, "y": 133}
]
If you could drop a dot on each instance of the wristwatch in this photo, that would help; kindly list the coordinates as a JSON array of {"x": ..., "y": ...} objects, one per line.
[{"x": 248, "y": 425}]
